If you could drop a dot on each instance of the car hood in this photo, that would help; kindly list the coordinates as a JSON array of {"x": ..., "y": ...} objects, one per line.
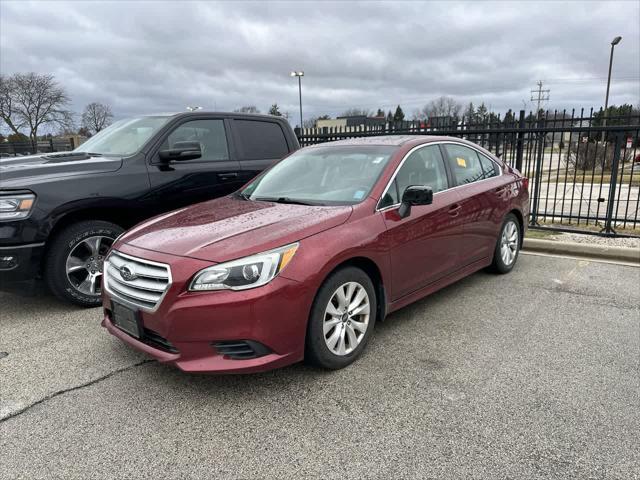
[
  {"x": 21, "y": 172},
  {"x": 229, "y": 228}
]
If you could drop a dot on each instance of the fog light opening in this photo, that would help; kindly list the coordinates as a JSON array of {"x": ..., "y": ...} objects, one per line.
[{"x": 8, "y": 262}]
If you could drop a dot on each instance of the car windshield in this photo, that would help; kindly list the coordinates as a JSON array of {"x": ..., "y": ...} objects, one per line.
[
  {"x": 124, "y": 137},
  {"x": 339, "y": 175}
]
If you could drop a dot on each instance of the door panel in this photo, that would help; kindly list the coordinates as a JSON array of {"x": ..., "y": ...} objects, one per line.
[
  {"x": 424, "y": 245},
  {"x": 180, "y": 183},
  {"x": 481, "y": 204},
  {"x": 481, "y": 200}
]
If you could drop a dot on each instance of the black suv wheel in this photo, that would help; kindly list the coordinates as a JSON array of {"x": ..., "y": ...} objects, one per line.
[{"x": 73, "y": 267}]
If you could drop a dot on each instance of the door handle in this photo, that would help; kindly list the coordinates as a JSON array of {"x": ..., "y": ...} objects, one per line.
[
  {"x": 227, "y": 176},
  {"x": 500, "y": 190},
  {"x": 454, "y": 210}
]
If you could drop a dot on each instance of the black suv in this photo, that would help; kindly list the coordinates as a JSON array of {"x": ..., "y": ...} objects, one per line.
[{"x": 60, "y": 212}]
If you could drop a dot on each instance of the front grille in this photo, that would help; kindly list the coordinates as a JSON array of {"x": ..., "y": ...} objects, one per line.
[
  {"x": 147, "y": 285},
  {"x": 241, "y": 349}
]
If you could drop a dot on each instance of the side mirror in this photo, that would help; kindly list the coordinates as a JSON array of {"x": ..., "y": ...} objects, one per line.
[
  {"x": 181, "y": 151},
  {"x": 415, "y": 195}
]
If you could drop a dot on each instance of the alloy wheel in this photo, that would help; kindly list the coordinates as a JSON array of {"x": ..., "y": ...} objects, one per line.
[
  {"x": 346, "y": 318},
  {"x": 509, "y": 243},
  {"x": 85, "y": 263}
]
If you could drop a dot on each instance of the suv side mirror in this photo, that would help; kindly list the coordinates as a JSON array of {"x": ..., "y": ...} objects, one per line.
[
  {"x": 181, "y": 151},
  {"x": 415, "y": 195}
]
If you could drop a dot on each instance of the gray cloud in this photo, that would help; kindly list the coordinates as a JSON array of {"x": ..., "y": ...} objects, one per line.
[{"x": 161, "y": 56}]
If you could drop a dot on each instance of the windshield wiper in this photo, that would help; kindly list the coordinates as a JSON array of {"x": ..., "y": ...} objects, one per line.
[
  {"x": 283, "y": 200},
  {"x": 242, "y": 196}
]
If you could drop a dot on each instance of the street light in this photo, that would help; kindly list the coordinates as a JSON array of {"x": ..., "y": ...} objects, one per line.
[
  {"x": 614, "y": 42},
  {"x": 299, "y": 75}
]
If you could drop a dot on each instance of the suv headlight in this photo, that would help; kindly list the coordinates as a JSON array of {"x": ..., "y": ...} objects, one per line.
[
  {"x": 15, "y": 207},
  {"x": 244, "y": 273}
]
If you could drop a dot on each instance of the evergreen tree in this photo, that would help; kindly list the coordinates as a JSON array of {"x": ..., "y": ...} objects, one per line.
[
  {"x": 275, "y": 110},
  {"x": 482, "y": 114},
  {"x": 470, "y": 113},
  {"x": 399, "y": 115}
]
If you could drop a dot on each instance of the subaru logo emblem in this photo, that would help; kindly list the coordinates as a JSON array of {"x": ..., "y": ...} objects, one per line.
[{"x": 127, "y": 273}]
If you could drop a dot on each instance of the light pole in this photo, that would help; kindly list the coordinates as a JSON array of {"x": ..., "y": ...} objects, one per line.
[
  {"x": 614, "y": 42},
  {"x": 299, "y": 74}
]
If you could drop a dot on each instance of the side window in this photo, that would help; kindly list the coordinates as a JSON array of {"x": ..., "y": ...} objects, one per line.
[
  {"x": 260, "y": 140},
  {"x": 425, "y": 166},
  {"x": 391, "y": 196},
  {"x": 489, "y": 168},
  {"x": 210, "y": 134},
  {"x": 465, "y": 164}
]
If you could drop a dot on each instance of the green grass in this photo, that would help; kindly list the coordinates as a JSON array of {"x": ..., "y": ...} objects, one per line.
[{"x": 534, "y": 233}]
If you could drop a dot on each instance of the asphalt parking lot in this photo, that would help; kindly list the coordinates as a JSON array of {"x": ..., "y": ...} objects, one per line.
[{"x": 530, "y": 375}]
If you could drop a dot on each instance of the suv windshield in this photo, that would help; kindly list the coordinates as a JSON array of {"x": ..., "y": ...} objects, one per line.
[
  {"x": 123, "y": 138},
  {"x": 340, "y": 175}
]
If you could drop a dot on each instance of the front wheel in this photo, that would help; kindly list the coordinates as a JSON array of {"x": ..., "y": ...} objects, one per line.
[
  {"x": 73, "y": 269},
  {"x": 342, "y": 319},
  {"x": 507, "y": 246}
]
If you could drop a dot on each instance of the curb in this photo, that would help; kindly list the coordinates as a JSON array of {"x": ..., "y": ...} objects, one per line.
[{"x": 624, "y": 254}]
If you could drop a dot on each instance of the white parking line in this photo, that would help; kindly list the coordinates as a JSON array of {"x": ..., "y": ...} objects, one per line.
[{"x": 588, "y": 259}]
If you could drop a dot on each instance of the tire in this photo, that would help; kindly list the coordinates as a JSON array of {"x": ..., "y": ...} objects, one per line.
[
  {"x": 510, "y": 239},
  {"x": 79, "y": 248},
  {"x": 346, "y": 330}
]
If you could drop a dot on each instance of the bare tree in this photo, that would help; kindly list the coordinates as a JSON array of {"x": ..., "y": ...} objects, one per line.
[
  {"x": 440, "y": 107},
  {"x": 31, "y": 101},
  {"x": 247, "y": 109},
  {"x": 96, "y": 116},
  {"x": 356, "y": 112},
  {"x": 7, "y": 109}
]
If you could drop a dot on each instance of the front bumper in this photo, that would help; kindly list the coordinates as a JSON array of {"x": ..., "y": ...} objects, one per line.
[
  {"x": 20, "y": 263},
  {"x": 274, "y": 315}
]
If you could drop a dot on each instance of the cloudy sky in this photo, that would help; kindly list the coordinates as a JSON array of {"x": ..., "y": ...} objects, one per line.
[{"x": 147, "y": 56}]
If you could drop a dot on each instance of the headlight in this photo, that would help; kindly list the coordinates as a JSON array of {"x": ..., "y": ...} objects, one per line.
[
  {"x": 244, "y": 273},
  {"x": 15, "y": 207}
]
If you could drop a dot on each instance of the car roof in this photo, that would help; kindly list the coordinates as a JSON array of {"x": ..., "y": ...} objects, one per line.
[
  {"x": 202, "y": 113},
  {"x": 391, "y": 140}
]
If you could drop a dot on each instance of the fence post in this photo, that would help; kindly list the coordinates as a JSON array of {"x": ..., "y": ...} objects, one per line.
[
  {"x": 51, "y": 145},
  {"x": 613, "y": 183},
  {"x": 536, "y": 180},
  {"x": 520, "y": 141}
]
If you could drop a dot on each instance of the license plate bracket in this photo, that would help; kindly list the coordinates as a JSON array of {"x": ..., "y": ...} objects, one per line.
[{"x": 127, "y": 319}]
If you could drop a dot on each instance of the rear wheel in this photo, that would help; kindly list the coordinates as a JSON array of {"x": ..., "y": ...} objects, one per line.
[
  {"x": 342, "y": 319},
  {"x": 507, "y": 246},
  {"x": 73, "y": 268}
]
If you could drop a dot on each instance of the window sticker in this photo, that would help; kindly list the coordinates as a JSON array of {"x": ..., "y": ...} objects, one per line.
[
  {"x": 461, "y": 162},
  {"x": 358, "y": 195}
]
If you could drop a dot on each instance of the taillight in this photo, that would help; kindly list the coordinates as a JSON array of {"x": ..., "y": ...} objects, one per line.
[{"x": 525, "y": 183}]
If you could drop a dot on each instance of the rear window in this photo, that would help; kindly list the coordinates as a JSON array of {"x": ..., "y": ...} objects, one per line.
[{"x": 260, "y": 140}]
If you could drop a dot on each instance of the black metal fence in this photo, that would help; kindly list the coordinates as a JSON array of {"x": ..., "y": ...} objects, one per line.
[
  {"x": 584, "y": 174},
  {"x": 13, "y": 149}
]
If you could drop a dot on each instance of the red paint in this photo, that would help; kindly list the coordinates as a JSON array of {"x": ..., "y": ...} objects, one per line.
[{"x": 434, "y": 246}]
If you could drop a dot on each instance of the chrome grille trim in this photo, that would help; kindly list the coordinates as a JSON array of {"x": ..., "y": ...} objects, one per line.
[{"x": 144, "y": 292}]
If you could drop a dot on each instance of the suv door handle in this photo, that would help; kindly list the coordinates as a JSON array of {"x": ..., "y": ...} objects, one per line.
[
  {"x": 500, "y": 190},
  {"x": 454, "y": 209},
  {"x": 227, "y": 176}
]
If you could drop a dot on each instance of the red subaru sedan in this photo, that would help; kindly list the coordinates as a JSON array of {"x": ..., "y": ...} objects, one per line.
[{"x": 304, "y": 260}]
